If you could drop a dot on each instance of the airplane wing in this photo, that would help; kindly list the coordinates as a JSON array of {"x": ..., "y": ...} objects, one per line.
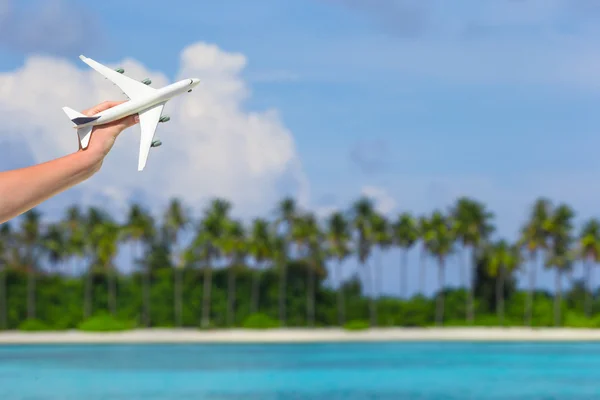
[
  {"x": 132, "y": 88},
  {"x": 148, "y": 122}
]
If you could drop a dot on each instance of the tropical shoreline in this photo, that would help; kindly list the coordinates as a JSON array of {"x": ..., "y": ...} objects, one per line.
[{"x": 325, "y": 335}]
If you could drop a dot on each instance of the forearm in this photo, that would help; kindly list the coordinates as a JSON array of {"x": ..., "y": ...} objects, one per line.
[{"x": 23, "y": 189}]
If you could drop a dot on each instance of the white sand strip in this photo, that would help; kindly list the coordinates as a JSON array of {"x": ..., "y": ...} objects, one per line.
[{"x": 303, "y": 335}]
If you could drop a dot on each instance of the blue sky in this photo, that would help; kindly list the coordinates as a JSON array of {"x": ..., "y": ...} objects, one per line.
[{"x": 422, "y": 100}]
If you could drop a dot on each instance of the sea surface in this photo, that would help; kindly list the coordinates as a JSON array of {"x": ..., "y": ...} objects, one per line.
[{"x": 385, "y": 371}]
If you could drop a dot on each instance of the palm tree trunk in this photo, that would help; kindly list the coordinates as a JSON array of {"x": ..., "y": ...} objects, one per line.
[
  {"x": 500, "y": 296},
  {"x": 31, "y": 293},
  {"x": 178, "y": 297},
  {"x": 440, "y": 300},
  {"x": 571, "y": 276},
  {"x": 422, "y": 271},
  {"x": 112, "y": 287},
  {"x": 87, "y": 301},
  {"x": 310, "y": 297},
  {"x": 177, "y": 283},
  {"x": 340, "y": 295},
  {"x": 287, "y": 252},
  {"x": 588, "y": 291},
  {"x": 207, "y": 286},
  {"x": 146, "y": 286},
  {"x": 377, "y": 273},
  {"x": 231, "y": 296},
  {"x": 255, "y": 289},
  {"x": 461, "y": 271},
  {"x": 529, "y": 300},
  {"x": 372, "y": 303},
  {"x": 3, "y": 297},
  {"x": 557, "y": 297},
  {"x": 282, "y": 292},
  {"x": 74, "y": 269},
  {"x": 470, "y": 290},
  {"x": 403, "y": 274}
]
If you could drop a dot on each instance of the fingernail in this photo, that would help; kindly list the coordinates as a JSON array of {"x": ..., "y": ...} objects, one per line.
[{"x": 136, "y": 118}]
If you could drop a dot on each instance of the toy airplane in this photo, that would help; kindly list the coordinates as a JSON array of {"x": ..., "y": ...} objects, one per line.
[{"x": 147, "y": 102}]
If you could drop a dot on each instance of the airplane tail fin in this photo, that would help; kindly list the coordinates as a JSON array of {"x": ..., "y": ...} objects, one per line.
[{"x": 79, "y": 119}]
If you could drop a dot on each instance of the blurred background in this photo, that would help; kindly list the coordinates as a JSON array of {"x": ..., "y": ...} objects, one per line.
[
  {"x": 390, "y": 163},
  {"x": 409, "y": 105}
]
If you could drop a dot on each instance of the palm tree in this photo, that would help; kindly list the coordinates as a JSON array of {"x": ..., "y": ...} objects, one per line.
[
  {"x": 260, "y": 249},
  {"x": 235, "y": 247},
  {"x": 139, "y": 229},
  {"x": 108, "y": 239},
  {"x": 177, "y": 220},
  {"x": 54, "y": 245},
  {"x": 503, "y": 260},
  {"x": 30, "y": 235},
  {"x": 534, "y": 239},
  {"x": 382, "y": 238},
  {"x": 287, "y": 211},
  {"x": 440, "y": 241},
  {"x": 5, "y": 245},
  {"x": 472, "y": 228},
  {"x": 309, "y": 235},
  {"x": 338, "y": 238},
  {"x": 405, "y": 235},
  {"x": 363, "y": 211},
  {"x": 589, "y": 251},
  {"x": 560, "y": 256},
  {"x": 423, "y": 228},
  {"x": 212, "y": 237},
  {"x": 277, "y": 249},
  {"x": 73, "y": 225},
  {"x": 92, "y": 229}
]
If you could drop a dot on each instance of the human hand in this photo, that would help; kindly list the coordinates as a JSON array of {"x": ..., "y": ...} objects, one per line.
[{"x": 103, "y": 136}]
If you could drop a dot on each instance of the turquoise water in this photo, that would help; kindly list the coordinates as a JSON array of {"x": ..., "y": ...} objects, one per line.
[{"x": 420, "y": 371}]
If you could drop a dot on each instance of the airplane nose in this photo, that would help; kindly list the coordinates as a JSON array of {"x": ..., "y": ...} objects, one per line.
[{"x": 195, "y": 81}]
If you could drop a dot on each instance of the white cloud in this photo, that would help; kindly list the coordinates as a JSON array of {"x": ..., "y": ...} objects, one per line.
[
  {"x": 211, "y": 146},
  {"x": 384, "y": 203}
]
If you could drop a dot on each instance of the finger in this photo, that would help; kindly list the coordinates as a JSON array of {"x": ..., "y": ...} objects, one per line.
[
  {"x": 101, "y": 107},
  {"x": 130, "y": 121},
  {"x": 126, "y": 122}
]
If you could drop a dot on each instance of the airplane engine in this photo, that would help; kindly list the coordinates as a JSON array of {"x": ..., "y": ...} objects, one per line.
[
  {"x": 146, "y": 81},
  {"x": 164, "y": 118},
  {"x": 120, "y": 70},
  {"x": 156, "y": 143}
]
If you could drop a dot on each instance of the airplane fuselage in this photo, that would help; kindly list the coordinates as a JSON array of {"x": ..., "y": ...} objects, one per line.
[{"x": 141, "y": 104}]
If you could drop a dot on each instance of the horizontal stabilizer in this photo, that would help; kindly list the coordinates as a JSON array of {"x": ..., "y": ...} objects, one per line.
[
  {"x": 84, "y": 135},
  {"x": 83, "y": 120}
]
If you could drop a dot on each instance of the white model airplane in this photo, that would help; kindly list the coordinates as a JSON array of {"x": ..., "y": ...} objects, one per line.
[{"x": 147, "y": 102}]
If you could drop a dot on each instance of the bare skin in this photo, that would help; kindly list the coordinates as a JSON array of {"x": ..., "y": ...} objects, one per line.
[{"x": 23, "y": 189}]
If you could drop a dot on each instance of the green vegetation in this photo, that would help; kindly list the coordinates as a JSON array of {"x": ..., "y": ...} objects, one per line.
[
  {"x": 356, "y": 325},
  {"x": 260, "y": 321},
  {"x": 33, "y": 325},
  {"x": 103, "y": 322},
  {"x": 215, "y": 271}
]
